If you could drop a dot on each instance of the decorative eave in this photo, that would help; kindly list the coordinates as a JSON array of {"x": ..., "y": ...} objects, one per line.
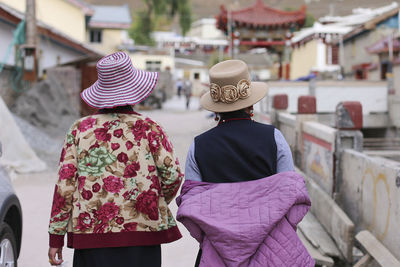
[
  {"x": 108, "y": 25},
  {"x": 382, "y": 46},
  {"x": 86, "y": 8},
  {"x": 260, "y": 15}
]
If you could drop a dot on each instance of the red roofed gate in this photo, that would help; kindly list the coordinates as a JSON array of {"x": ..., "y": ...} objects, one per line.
[{"x": 262, "y": 26}]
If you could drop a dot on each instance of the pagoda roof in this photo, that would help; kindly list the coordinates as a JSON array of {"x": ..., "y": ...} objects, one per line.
[{"x": 261, "y": 15}]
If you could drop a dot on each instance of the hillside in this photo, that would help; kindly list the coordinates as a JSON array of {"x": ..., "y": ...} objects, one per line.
[{"x": 318, "y": 8}]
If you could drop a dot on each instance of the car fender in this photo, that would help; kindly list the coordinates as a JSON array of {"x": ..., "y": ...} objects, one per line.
[{"x": 11, "y": 213}]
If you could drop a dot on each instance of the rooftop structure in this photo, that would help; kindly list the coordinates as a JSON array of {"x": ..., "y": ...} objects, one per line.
[
  {"x": 359, "y": 15},
  {"x": 260, "y": 25},
  {"x": 110, "y": 17}
]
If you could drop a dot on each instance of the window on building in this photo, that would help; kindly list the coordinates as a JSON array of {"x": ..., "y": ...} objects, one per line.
[
  {"x": 153, "y": 65},
  {"x": 96, "y": 35},
  {"x": 196, "y": 75}
]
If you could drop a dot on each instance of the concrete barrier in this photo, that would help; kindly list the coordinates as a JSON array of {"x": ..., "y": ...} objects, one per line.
[
  {"x": 318, "y": 154},
  {"x": 332, "y": 217},
  {"x": 370, "y": 195}
]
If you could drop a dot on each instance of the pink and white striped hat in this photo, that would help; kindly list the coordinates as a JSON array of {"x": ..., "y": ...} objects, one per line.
[{"x": 119, "y": 83}]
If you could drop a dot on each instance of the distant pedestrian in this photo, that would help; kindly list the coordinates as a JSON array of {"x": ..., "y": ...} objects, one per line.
[
  {"x": 179, "y": 87},
  {"x": 242, "y": 199},
  {"x": 117, "y": 175},
  {"x": 188, "y": 88}
]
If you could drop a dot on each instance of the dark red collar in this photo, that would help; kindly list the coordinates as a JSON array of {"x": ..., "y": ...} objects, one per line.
[
  {"x": 123, "y": 110},
  {"x": 221, "y": 121}
]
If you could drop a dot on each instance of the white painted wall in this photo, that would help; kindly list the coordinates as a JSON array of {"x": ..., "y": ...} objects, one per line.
[
  {"x": 293, "y": 90},
  {"x": 372, "y": 95},
  {"x": 51, "y": 51},
  {"x": 206, "y": 29},
  {"x": 6, "y": 36}
]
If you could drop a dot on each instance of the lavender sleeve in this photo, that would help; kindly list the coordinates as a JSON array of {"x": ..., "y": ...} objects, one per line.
[
  {"x": 284, "y": 158},
  {"x": 192, "y": 171},
  {"x": 283, "y": 153}
]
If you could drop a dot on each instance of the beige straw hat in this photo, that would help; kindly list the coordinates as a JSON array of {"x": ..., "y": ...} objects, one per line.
[{"x": 231, "y": 88}]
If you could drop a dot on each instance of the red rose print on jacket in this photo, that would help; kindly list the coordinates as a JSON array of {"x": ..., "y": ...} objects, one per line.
[
  {"x": 111, "y": 124},
  {"x": 139, "y": 130},
  {"x": 85, "y": 222},
  {"x": 166, "y": 144},
  {"x": 67, "y": 171},
  {"x": 151, "y": 168},
  {"x": 81, "y": 182},
  {"x": 154, "y": 142},
  {"x": 102, "y": 134},
  {"x": 96, "y": 188},
  {"x": 63, "y": 152},
  {"x": 107, "y": 212},
  {"x": 129, "y": 145},
  {"x": 100, "y": 228},
  {"x": 118, "y": 133},
  {"x": 128, "y": 194},
  {"x": 113, "y": 184},
  {"x": 147, "y": 203},
  {"x": 86, "y": 124},
  {"x": 95, "y": 145},
  {"x": 131, "y": 170},
  {"x": 58, "y": 202},
  {"x": 120, "y": 220},
  {"x": 155, "y": 183},
  {"x": 114, "y": 146},
  {"x": 129, "y": 227},
  {"x": 86, "y": 194},
  {"x": 122, "y": 157}
]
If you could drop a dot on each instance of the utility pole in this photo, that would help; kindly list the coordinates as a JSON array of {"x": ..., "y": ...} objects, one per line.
[
  {"x": 29, "y": 49},
  {"x": 30, "y": 22}
]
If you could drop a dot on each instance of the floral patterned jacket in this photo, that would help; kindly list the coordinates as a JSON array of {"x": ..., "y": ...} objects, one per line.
[{"x": 117, "y": 174}]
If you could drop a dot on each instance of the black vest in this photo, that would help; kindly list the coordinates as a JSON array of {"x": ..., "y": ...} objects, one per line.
[{"x": 236, "y": 150}]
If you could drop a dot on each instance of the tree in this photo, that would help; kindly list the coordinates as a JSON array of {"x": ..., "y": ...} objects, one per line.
[
  {"x": 310, "y": 19},
  {"x": 145, "y": 21}
]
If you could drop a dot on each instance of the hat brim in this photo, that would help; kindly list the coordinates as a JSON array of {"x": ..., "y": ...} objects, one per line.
[
  {"x": 258, "y": 91},
  {"x": 130, "y": 94}
]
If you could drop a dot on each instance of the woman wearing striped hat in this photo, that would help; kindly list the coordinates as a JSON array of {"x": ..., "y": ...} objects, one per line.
[{"x": 117, "y": 175}]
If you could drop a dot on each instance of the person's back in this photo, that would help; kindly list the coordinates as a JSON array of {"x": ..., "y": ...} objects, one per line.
[
  {"x": 117, "y": 174},
  {"x": 239, "y": 153},
  {"x": 243, "y": 150}
]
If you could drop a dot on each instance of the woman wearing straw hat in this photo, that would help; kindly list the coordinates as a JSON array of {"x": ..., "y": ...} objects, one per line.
[
  {"x": 225, "y": 203},
  {"x": 117, "y": 175}
]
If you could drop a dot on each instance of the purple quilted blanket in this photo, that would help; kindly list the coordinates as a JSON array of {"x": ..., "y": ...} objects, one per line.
[{"x": 248, "y": 223}]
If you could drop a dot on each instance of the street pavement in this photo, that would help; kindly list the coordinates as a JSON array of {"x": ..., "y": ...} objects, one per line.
[{"x": 35, "y": 191}]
